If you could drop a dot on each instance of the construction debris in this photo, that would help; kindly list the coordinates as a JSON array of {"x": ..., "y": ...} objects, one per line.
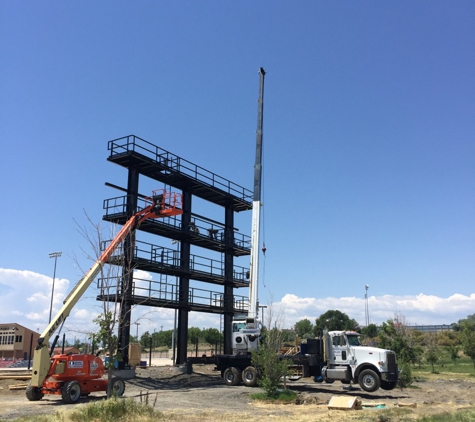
[
  {"x": 344, "y": 403},
  {"x": 15, "y": 377},
  {"x": 369, "y": 404},
  {"x": 18, "y": 386},
  {"x": 413, "y": 405}
]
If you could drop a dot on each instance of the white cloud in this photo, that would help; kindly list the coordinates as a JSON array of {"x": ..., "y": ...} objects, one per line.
[
  {"x": 32, "y": 310},
  {"x": 418, "y": 310},
  {"x": 28, "y": 295}
]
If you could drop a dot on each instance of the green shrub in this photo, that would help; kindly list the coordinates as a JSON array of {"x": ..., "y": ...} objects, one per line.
[{"x": 405, "y": 376}]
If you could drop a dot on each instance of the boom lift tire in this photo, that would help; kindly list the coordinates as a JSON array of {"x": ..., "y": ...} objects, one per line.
[
  {"x": 250, "y": 376},
  {"x": 116, "y": 387},
  {"x": 369, "y": 380},
  {"x": 388, "y": 385},
  {"x": 232, "y": 376},
  {"x": 33, "y": 393},
  {"x": 71, "y": 391}
]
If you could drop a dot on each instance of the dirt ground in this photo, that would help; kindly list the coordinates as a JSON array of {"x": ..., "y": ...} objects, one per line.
[{"x": 203, "y": 395}]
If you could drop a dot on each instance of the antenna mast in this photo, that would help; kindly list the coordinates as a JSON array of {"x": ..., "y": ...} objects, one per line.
[{"x": 256, "y": 205}]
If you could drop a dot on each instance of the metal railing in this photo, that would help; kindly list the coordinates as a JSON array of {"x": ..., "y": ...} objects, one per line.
[
  {"x": 198, "y": 228},
  {"x": 175, "y": 163},
  {"x": 144, "y": 289},
  {"x": 166, "y": 257}
]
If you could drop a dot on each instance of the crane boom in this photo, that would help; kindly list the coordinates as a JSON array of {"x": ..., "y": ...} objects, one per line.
[
  {"x": 163, "y": 204},
  {"x": 256, "y": 206}
]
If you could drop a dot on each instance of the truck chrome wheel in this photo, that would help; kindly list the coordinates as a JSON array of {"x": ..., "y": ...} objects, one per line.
[
  {"x": 369, "y": 380},
  {"x": 71, "y": 391},
  {"x": 249, "y": 376},
  {"x": 232, "y": 376}
]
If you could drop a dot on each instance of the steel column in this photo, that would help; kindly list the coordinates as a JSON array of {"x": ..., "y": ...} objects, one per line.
[
  {"x": 127, "y": 269},
  {"x": 228, "y": 274},
  {"x": 184, "y": 286}
]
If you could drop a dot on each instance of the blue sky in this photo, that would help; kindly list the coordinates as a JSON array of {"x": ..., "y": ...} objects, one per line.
[{"x": 369, "y": 160}]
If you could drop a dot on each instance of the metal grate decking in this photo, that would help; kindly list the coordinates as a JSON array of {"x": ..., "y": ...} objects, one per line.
[{"x": 161, "y": 165}]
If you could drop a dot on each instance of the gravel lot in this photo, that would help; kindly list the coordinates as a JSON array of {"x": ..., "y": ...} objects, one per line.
[{"x": 203, "y": 393}]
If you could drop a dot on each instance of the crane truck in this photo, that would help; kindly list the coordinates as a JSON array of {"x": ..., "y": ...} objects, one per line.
[
  {"x": 76, "y": 375},
  {"x": 336, "y": 355}
]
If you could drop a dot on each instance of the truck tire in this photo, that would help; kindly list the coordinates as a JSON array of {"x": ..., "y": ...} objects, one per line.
[
  {"x": 232, "y": 376},
  {"x": 249, "y": 376},
  {"x": 33, "y": 393},
  {"x": 388, "y": 385},
  {"x": 369, "y": 380},
  {"x": 71, "y": 391},
  {"x": 116, "y": 387}
]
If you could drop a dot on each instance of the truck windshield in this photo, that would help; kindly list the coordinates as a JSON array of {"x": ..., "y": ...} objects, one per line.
[
  {"x": 354, "y": 340},
  {"x": 238, "y": 326}
]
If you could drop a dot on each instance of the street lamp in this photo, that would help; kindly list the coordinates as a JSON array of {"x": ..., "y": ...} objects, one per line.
[
  {"x": 366, "y": 310},
  {"x": 262, "y": 307},
  {"x": 54, "y": 255}
]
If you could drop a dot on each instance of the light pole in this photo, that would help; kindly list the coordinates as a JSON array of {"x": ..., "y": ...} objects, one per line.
[
  {"x": 54, "y": 255},
  {"x": 262, "y": 307},
  {"x": 137, "y": 324},
  {"x": 366, "y": 310}
]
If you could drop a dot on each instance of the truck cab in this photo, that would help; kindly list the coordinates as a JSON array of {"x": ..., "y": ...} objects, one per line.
[{"x": 349, "y": 361}]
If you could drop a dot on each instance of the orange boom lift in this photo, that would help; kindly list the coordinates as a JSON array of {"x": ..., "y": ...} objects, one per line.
[{"x": 73, "y": 376}]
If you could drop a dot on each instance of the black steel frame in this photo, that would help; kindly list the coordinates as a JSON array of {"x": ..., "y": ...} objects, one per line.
[{"x": 142, "y": 158}]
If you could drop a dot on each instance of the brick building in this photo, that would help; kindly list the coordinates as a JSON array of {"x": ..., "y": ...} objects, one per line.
[{"x": 15, "y": 341}]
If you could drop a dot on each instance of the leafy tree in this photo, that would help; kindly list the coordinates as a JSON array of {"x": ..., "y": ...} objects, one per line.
[
  {"x": 194, "y": 335},
  {"x": 371, "y": 331},
  {"x": 334, "y": 320},
  {"x": 405, "y": 376},
  {"x": 164, "y": 338},
  {"x": 395, "y": 336},
  {"x": 288, "y": 336},
  {"x": 448, "y": 338},
  {"x": 106, "y": 338},
  {"x": 212, "y": 336},
  {"x": 77, "y": 343},
  {"x": 145, "y": 340},
  {"x": 271, "y": 368},
  {"x": 454, "y": 352},
  {"x": 468, "y": 336},
  {"x": 304, "y": 328},
  {"x": 432, "y": 353}
]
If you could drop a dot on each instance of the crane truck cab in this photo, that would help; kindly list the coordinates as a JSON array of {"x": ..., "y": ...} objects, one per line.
[
  {"x": 246, "y": 335},
  {"x": 348, "y": 361}
]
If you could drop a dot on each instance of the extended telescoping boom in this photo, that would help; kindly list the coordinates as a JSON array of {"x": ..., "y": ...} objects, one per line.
[
  {"x": 163, "y": 204},
  {"x": 256, "y": 206}
]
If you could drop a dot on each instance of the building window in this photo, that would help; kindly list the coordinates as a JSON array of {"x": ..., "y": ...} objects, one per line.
[
  {"x": 18, "y": 339},
  {"x": 6, "y": 339}
]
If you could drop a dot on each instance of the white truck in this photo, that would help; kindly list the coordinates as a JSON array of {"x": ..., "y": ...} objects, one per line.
[
  {"x": 340, "y": 356},
  {"x": 348, "y": 361}
]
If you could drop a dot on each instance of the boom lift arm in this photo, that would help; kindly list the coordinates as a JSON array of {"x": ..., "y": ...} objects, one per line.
[{"x": 164, "y": 204}]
